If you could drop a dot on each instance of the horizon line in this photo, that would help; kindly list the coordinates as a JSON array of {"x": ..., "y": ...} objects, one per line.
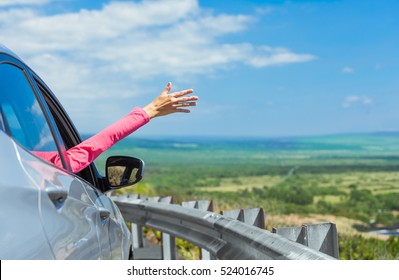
[{"x": 164, "y": 136}]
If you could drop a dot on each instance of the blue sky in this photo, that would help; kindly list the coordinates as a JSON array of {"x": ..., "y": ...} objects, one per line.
[{"x": 260, "y": 68}]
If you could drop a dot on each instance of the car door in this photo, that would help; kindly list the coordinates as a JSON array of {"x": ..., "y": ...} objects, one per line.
[
  {"x": 69, "y": 217},
  {"x": 21, "y": 232}
]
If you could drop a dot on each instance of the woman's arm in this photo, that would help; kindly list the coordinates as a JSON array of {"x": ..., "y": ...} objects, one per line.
[{"x": 83, "y": 154}]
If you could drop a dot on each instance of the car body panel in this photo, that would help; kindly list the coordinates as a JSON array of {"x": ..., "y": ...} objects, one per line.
[{"x": 21, "y": 232}]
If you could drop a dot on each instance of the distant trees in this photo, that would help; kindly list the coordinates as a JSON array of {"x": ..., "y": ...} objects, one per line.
[{"x": 291, "y": 194}]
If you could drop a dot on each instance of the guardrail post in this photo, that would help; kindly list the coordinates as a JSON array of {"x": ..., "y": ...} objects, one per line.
[
  {"x": 250, "y": 216},
  {"x": 236, "y": 214},
  {"x": 324, "y": 238},
  {"x": 137, "y": 235},
  {"x": 137, "y": 230},
  {"x": 255, "y": 217},
  {"x": 205, "y": 205},
  {"x": 190, "y": 204},
  {"x": 168, "y": 247},
  {"x": 321, "y": 237},
  {"x": 168, "y": 241}
]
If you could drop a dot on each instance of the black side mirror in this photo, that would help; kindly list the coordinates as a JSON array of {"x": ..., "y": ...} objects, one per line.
[{"x": 122, "y": 171}]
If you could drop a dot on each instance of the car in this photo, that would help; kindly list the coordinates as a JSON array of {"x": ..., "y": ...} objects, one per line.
[{"x": 48, "y": 212}]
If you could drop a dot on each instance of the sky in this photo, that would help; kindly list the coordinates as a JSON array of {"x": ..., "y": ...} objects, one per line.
[{"x": 259, "y": 68}]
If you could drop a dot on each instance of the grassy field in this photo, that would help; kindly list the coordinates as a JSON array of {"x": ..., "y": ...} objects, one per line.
[
  {"x": 377, "y": 182},
  {"x": 350, "y": 180}
]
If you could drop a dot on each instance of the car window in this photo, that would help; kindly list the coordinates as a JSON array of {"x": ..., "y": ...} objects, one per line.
[
  {"x": 68, "y": 134},
  {"x": 21, "y": 115}
]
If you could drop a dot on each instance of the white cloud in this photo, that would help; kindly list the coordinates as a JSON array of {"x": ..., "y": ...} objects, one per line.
[
  {"x": 13, "y": 16},
  {"x": 353, "y": 100},
  {"x": 90, "y": 53},
  {"x": 139, "y": 37},
  {"x": 267, "y": 56},
  {"x": 348, "y": 70}
]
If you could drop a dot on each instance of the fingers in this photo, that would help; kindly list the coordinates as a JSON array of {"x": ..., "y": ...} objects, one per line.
[
  {"x": 182, "y": 93},
  {"x": 182, "y": 111},
  {"x": 185, "y": 104},
  {"x": 167, "y": 88},
  {"x": 187, "y": 98},
  {"x": 177, "y": 101},
  {"x": 179, "y": 93}
]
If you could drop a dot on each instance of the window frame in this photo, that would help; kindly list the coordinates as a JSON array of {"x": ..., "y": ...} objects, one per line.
[
  {"x": 7, "y": 59},
  {"x": 68, "y": 132}
]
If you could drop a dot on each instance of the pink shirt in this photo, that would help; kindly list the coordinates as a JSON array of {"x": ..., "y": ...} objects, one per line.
[{"x": 83, "y": 154}]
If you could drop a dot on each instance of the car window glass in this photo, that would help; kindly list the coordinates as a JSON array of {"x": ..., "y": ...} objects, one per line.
[
  {"x": 13, "y": 123},
  {"x": 22, "y": 116}
]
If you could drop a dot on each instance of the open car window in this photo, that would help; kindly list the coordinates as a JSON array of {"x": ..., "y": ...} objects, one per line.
[{"x": 68, "y": 132}]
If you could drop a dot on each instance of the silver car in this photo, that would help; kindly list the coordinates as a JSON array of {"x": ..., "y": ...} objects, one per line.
[{"x": 47, "y": 212}]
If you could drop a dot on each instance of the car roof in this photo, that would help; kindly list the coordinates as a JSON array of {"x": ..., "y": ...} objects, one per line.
[{"x": 4, "y": 49}]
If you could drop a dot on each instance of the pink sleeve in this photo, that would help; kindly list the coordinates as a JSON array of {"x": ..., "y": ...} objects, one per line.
[
  {"x": 83, "y": 154},
  {"x": 52, "y": 157}
]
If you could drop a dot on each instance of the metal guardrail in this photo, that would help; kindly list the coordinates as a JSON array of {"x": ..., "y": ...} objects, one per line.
[
  {"x": 223, "y": 237},
  {"x": 321, "y": 237}
]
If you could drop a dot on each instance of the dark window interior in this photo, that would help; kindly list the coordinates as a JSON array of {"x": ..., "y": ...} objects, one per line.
[{"x": 68, "y": 133}]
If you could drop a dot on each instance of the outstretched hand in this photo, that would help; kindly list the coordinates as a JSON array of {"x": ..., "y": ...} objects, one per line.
[{"x": 167, "y": 103}]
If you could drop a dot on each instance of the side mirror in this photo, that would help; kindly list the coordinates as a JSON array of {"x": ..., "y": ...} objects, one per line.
[{"x": 122, "y": 171}]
